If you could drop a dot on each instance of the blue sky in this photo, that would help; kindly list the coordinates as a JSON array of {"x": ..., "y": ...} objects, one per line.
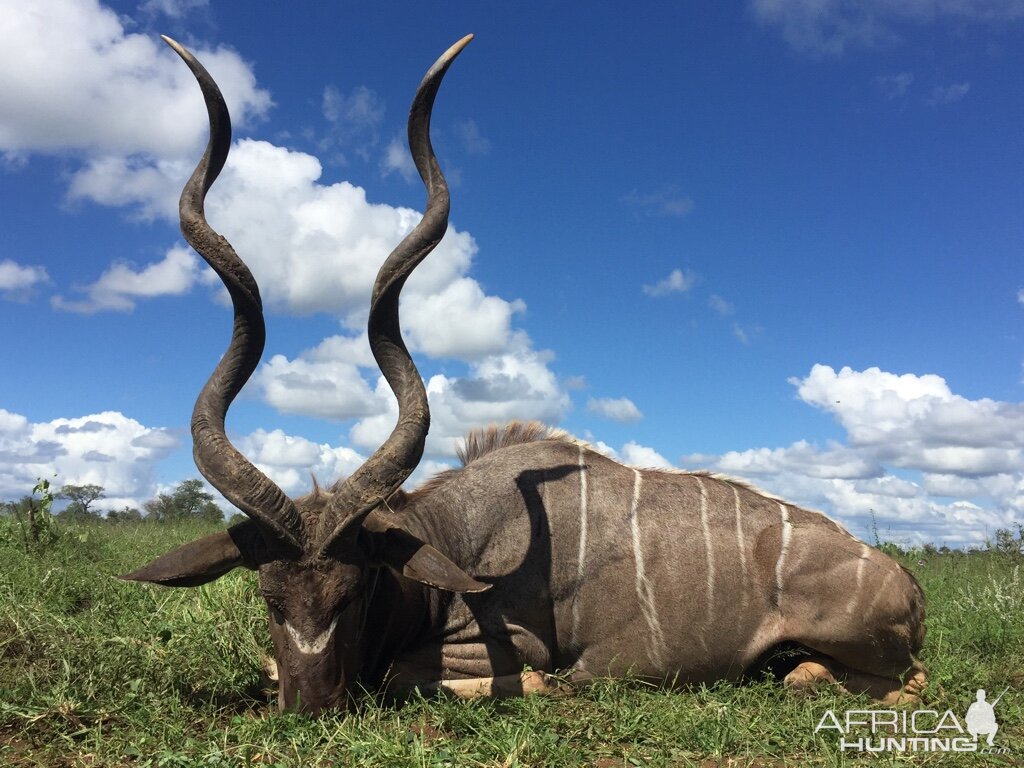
[{"x": 774, "y": 238}]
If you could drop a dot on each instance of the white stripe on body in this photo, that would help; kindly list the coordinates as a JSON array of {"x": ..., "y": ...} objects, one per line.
[
  {"x": 879, "y": 594},
  {"x": 787, "y": 533},
  {"x": 709, "y": 556},
  {"x": 581, "y": 558},
  {"x": 744, "y": 597},
  {"x": 865, "y": 552},
  {"x": 643, "y": 586}
]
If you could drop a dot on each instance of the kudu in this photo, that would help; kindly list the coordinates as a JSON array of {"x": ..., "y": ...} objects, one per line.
[{"x": 539, "y": 553}]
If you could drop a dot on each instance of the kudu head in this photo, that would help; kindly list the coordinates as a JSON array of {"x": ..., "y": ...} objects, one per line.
[{"x": 316, "y": 554}]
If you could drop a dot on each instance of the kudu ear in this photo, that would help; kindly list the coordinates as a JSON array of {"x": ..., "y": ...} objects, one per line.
[
  {"x": 412, "y": 557},
  {"x": 205, "y": 559}
]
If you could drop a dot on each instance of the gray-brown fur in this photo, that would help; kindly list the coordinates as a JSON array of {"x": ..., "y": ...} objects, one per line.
[
  {"x": 539, "y": 551},
  {"x": 518, "y": 509}
]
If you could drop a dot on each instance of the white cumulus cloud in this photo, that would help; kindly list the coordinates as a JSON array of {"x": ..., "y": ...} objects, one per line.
[
  {"x": 107, "y": 449},
  {"x": 678, "y": 281},
  {"x": 312, "y": 248},
  {"x": 324, "y": 387},
  {"x": 397, "y": 160},
  {"x": 291, "y": 461},
  {"x": 637, "y": 455},
  {"x": 149, "y": 186},
  {"x": 620, "y": 409},
  {"x": 800, "y": 458},
  {"x": 517, "y": 384},
  {"x": 17, "y": 280},
  {"x": 920, "y": 461},
  {"x": 916, "y": 421},
  {"x": 459, "y": 321},
  {"x": 121, "y": 285},
  {"x": 68, "y": 66}
]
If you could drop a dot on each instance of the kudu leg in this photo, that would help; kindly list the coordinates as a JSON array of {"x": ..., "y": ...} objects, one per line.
[
  {"x": 461, "y": 669},
  {"x": 816, "y": 671},
  {"x": 810, "y": 674},
  {"x": 500, "y": 687},
  {"x": 903, "y": 690},
  {"x": 866, "y": 641}
]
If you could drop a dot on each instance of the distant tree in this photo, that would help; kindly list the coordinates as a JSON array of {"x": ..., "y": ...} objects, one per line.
[
  {"x": 75, "y": 512},
  {"x": 82, "y": 497},
  {"x": 161, "y": 509},
  {"x": 194, "y": 502},
  {"x": 1005, "y": 542},
  {"x": 189, "y": 501},
  {"x": 237, "y": 518},
  {"x": 126, "y": 515}
]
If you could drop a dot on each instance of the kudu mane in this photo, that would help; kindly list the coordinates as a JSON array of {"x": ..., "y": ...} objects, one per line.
[{"x": 478, "y": 443}]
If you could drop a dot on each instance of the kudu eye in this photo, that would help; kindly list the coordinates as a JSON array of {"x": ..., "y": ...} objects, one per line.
[{"x": 349, "y": 598}]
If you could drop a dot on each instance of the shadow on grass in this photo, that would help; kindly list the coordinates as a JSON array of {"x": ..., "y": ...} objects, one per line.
[{"x": 252, "y": 699}]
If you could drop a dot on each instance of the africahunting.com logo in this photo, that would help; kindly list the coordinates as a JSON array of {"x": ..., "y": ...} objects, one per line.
[{"x": 919, "y": 730}]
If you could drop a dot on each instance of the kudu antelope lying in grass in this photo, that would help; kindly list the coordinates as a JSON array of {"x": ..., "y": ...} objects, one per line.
[{"x": 538, "y": 552}]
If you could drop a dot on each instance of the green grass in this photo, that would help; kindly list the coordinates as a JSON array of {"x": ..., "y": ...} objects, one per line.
[{"x": 94, "y": 671}]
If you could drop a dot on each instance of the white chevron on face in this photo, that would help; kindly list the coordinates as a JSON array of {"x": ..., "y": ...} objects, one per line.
[{"x": 317, "y": 644}]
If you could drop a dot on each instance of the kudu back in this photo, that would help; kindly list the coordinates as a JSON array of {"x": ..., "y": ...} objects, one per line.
[{"x": 537, "y": 553}]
